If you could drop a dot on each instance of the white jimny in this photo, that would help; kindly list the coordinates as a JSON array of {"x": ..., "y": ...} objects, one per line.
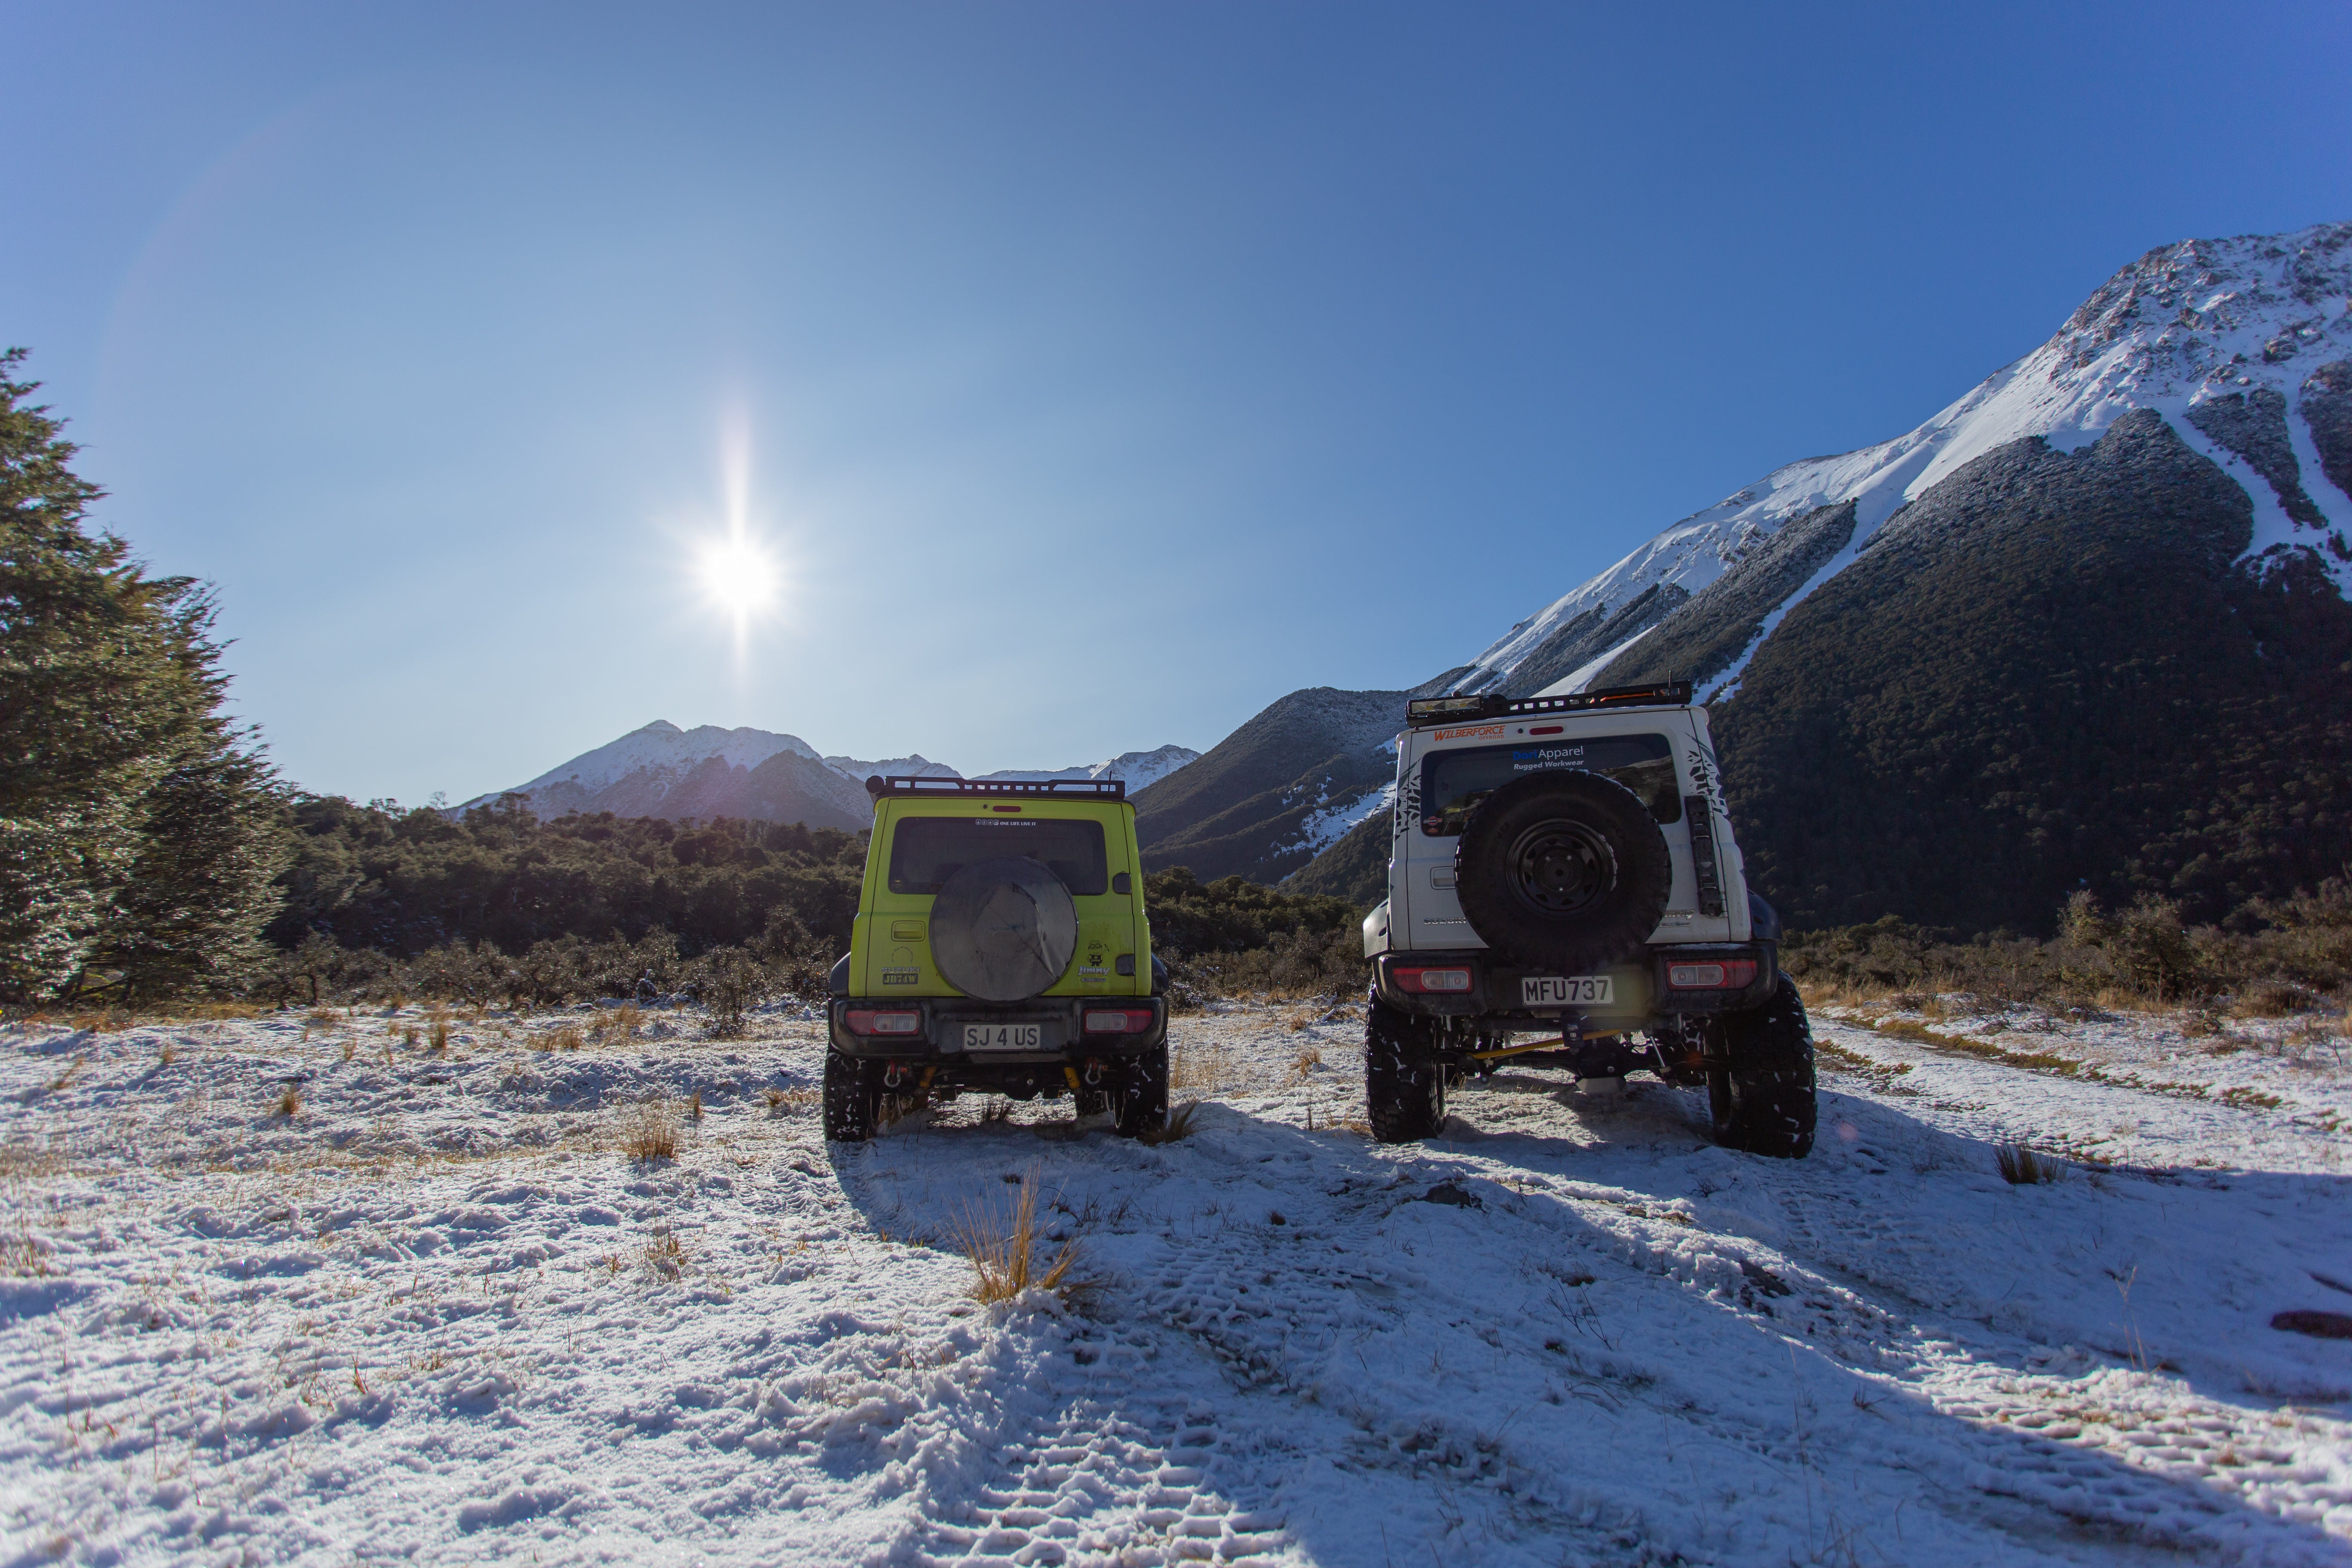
[{"x": 1564, "y": 867}]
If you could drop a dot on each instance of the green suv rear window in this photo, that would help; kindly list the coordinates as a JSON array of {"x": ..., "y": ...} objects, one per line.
[
  {"x": 925, "y": 851},
  {"x": 1453, "y": 782}
]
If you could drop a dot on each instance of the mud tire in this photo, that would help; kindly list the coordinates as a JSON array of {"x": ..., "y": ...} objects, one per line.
[
  {"x": 1404, "y": 1088},
  {"x": 1139, "y": 1101},
  {"x": 1763, "y": 1099},
  {"x": 853, "y": 1098}
]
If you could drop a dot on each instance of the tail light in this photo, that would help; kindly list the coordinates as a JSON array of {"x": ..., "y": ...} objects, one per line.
[
  {"x": 863, "y": 1021},
  {"x": 1731, "y": 974},
  {"x": 1121, "y": 1021},
  {"x": 1432, "y": 979}
]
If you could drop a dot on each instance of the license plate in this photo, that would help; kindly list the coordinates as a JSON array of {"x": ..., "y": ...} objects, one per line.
[
  {"x": 1003, "y": 1036},
  {"x": 1569, "y": 991}
]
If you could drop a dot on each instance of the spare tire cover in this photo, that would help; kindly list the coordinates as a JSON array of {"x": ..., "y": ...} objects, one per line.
[
  {"x": 1004, "y": 929},
  {"x": 1562, "y": 872}
]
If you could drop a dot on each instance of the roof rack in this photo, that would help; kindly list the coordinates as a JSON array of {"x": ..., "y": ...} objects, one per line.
[
  {"x": 1424, "y": 711},
  {"x": 951, "y": 788}
]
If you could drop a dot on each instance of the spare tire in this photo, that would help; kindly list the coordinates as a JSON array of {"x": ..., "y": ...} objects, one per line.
[
  {"x": 1002, "y": 931},
  {"x": 1563, "y": 872}
]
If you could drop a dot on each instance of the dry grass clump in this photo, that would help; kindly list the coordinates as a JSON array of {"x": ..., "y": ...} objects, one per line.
[
  {"x": 694, "y": 1106},
  {"x": 1303, "y": 1067},
  {"x": 1005, "y": 1257},
  {"x": 2272, "y": 999},
  {"x": 2023, "y": 1167},
  {"x": 665, "y": 1254},
  {"x": 436, "y": 1030},
  {"x": 24, "y": 1256},
  {"x": 104, "y": 1020},
  {"x": 1195, "y": 1068},
  {"x": 165, "y": 1056},
  {"x": 619, "y": 1026},
  {"x": 650, "y": 1130},
  {"x": 289, "y": 1103},
  {"x": 562, "y": 1037},
  {"x": 1178, "y": 1127},
  {"x": 2032, "y": 1061}
]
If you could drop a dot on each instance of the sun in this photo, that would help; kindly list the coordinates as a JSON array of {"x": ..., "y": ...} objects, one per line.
[{"x": 739, "y": 576}]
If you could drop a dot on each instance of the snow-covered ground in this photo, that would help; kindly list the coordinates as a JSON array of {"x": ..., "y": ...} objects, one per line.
[{"x": 439, "y": 1315}]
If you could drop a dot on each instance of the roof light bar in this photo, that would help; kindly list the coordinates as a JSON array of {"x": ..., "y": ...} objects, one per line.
[
  {"x": 952, "y": 788},
  {"x": 1423, "y": 711}
]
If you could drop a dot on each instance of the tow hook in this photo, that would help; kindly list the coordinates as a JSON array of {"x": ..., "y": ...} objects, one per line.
[
  {"x": 892, "y": 1075},
  {"x": 1094, "y": 1072}
]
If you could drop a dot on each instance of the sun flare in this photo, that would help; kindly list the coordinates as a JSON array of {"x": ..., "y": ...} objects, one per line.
[{"x": 739, "y": 576}]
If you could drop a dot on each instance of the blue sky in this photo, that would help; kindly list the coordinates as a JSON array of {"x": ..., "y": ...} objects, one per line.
[{"x": 1097, "y": 372}]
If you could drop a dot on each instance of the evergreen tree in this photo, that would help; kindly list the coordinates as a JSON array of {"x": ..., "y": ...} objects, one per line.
[{"x": 139, "y": 830}]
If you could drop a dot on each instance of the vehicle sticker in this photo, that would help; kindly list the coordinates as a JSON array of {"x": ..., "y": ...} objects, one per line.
[
  {"x": 1705, "y": 780},
  {"x": 1480, "y": 731},
  {"x": 1408, "y": 802}
]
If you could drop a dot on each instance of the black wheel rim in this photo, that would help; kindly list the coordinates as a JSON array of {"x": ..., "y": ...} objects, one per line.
[{"x": 1561, "y": 867}]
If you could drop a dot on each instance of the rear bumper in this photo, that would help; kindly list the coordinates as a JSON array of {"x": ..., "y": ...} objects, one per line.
[
  {"x": 1641, "y": 994},
  {"x": 1060, "y": 1021}
]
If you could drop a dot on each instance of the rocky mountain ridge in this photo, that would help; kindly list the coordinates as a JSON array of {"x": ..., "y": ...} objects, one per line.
[{"x": 663, "y": 770}]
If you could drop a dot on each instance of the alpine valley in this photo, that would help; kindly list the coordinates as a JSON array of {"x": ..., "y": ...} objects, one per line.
[{"x": 2087, "y": 628}]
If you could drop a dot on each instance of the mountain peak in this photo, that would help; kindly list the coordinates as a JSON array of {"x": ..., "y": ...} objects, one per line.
[{"x": 2188, "y": 327}]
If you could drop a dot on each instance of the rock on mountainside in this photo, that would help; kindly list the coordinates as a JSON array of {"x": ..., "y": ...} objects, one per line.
[
  {"x": 758, "y": 775},
  {"x": 2085, "y": 627}
]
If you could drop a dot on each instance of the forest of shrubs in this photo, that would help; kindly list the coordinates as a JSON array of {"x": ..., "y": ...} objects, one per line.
[{"x": 497, "y": 905}]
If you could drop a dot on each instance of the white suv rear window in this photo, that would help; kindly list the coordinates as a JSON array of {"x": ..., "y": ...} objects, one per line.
[{"x": 1453, "y": 782}]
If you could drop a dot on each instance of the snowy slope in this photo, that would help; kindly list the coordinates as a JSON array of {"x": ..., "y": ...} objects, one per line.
[
  {"x": 660, "y": 747},
  {"x": 2184, "y": 326},
  {"x": 440, "y": 1315}
]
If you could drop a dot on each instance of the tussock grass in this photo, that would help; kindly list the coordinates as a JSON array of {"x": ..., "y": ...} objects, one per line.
[
  {"x": 2031, "y": 1061},
  {"x": 1004, "y": 1256},
  {"x": 562, "y": 1037},
  {"x": 1189, "y": 1067},
  {"x": 619, "y": 1026},
  {"x": 289, "y": 1103},
  {"x": 694, "y": 1106},
  {"x": 2023, "y": 1167},
  {"x": 1303, "y": 1067},
  {"x": 104, "y": 1020},
  {"x": 650, "y": 1130},
  {"x": 665, "y": 1254},
  {"x": 1178, "y": 1126}
]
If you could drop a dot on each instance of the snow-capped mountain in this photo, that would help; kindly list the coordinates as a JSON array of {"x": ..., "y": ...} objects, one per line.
[
  {"x": 2084, "y": 628},
  {"x": 2220, "y": 338},
  {"x": 707, "y": 772}
]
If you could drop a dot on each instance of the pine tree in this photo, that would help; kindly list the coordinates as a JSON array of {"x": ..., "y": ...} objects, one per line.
[{"x": 139, "y": 830}]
